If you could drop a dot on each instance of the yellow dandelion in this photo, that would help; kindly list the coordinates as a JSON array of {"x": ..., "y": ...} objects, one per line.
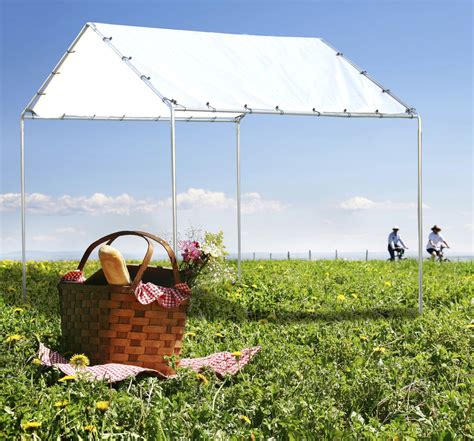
[
  {"x": 60, "y": 404},
  {"x": 13, "y": 338},
  {"x": 79, "y": 361},
  {"x": 67, "y": 378},
  {"x": 341, "y": 297},
  {"x": 327, "y": 274},
  {"x": 89, "y": 428},
  {"x": 364, "y": 337},
  {"x": 190, "y": 334},
  {"x": 202, "y": 378},
  {"x": 102, "y": 405},
  {"x": 36, "y": 362},
  {"x": 31, "y": 425},
  {"x": 219, "y": 334},
  {"x": 254, "y": 286},
  {"x": 387, "y": 283},
  {"x": 237, "y": 354},
  {"x": 380, "y": 349},
  {"x": 355, "y": 296},
  {"x": 19, "y": 310},
  {"x": 245, "y": 419}
]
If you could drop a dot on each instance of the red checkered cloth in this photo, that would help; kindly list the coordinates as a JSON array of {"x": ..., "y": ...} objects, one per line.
[
  {"x": 167, "y": 297},
  {"x": 222, "y": 363},
  {"x": 146, "y": 293},
  {"x": 76, "y": 276}
]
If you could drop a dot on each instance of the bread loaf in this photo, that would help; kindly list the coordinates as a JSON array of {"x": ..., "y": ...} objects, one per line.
[{"x": 114, "y": 266}]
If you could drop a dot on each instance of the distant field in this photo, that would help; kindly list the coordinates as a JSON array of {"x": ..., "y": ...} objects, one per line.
[{"x": 344, "y": 355}]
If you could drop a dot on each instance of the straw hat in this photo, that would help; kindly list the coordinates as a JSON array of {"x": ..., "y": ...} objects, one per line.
[{"x": 435, "y": 228}]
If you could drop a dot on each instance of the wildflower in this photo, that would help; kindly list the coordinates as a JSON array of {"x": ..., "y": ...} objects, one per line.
[
  {"x": 102, "y": 405},
  {"x": 341, "y": 297},
  {"x": 13, "y": 338},
  {"x": 237, "y": 354},
  {"x": 31, "y": 425},
  {"x": 36, "y": 362},
  {"x": 19, "y": 310},
  {"x": 254, "y": 286},
  {"x": 60, "y": 404},
  {"x": 219, "y": 334},
  {"x": 67, "y": 378},
  {"x": 380, "y": 349},
  {"x": 202, "y": 378},
  {"x": 79, "y": 361},
  {"x": 355, "y": 296},
  {"x": 364, "y": 337},
  {"x": 190, "y": 334},
  {"x": 89, "y": 428},
  {"x": 387, "y": 283},
  {"x": 245, "y": 419}
]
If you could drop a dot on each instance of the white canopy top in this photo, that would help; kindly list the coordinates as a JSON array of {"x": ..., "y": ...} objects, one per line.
[{"x": 129, "y": 72}]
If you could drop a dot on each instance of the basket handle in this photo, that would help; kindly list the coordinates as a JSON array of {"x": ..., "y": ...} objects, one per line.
[{"x": 146, "y": 260}]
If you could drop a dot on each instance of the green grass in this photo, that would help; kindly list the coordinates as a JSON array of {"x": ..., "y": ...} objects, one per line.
[{"x": 345, "y": 355}]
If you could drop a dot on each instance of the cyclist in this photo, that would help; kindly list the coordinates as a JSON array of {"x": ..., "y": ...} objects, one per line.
[
  {"x": 395, "y": 243},
  {"x": 436, "y": 242}
]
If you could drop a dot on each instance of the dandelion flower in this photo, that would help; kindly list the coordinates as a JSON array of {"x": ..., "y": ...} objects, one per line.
[
  {"x": 79, "y": 361},
  {"x": 254, "y": 286},
  {"x": 13, "y": 338},
  {"x": 387, "y": 283},
  {"x": 341, "y": 297},
  {"x": 67, "y": 378},
  {"x": 60, "y": 404},
  {"x": 31, "y": 425},
  {"x": 102, "y": 405},
  {"x": 89, "y": 428},
  {"x": 19, "y": 310},
  {"x": 36, "y": 362},
  {"x": 202, "y": 378},
  {"x": 245, "y": 419},
  {"x": 190, "y": 334},
  {"x": 380, "y": 349},
  {"x": 219, "y": 334},
  {"x": 355, "y": 296},
  {"x": 237, "y": 354}
]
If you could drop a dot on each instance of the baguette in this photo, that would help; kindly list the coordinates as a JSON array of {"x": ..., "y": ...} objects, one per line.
[{"x": 114, "y": 266}]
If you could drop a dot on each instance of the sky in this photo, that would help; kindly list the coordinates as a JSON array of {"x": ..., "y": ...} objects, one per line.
[{"x": 307, "y": 183}]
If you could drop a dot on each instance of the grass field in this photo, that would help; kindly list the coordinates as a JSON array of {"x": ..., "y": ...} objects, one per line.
[{"x": 344, "y": 355}]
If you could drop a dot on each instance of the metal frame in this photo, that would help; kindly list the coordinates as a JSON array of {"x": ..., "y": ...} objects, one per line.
[{"x": 238, "y": 114}]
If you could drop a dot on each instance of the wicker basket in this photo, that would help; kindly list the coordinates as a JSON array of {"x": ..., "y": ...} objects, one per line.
[{"x": 109, "y": 325}]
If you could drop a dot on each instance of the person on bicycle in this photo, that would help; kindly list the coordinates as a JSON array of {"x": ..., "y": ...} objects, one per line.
[
  {"x": 436, "y": 242},
  {"x": 395, "y": 243}
]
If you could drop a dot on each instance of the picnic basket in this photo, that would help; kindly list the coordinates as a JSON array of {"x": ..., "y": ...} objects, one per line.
[{"x": 109, "y": 325}]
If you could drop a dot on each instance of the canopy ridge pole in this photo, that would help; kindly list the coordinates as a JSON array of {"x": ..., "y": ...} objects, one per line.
[
  {"x": 23, "y": 208},
  {"x": 239, "y": 220},
  {"x": 126, "y": 59},
  {"x": 173, "y": 180},
  {"x": 420, "y": 218},
  {"x": 409, "y": 109},
  {"x": 70, "y": 50},
  {"x": 131, "y": 118}
]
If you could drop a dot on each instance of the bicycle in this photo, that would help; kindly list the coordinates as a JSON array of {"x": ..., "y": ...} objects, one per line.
[
  {"x": 440, "y": 257},
  {"x": 399, "y": 252}
]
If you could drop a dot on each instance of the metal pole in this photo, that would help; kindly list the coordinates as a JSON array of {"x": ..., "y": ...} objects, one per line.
[
  {"x": 239, "y": 221},
  {"x": 173, "y": 181},
  {"x": 335, "y": 255},
  {"x": 309, "y": 255},
  {"x": 23, "y": 208},
  {"x": 366, "y": 255},
  {"x": 420, "y": 220},
  {"x": 288, "y": 255}
]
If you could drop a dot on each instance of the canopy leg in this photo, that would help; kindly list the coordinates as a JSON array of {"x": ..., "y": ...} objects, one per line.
[
  {"x": 420, "y": 220},
  {"x": 239, "y": 224},
  {"x": 173, "y": 181},
  {"x": 23, "y": 208}
]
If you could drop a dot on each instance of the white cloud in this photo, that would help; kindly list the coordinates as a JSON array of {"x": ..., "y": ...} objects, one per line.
[
  {"x": 124, "y": 204},
  {"x": 362, "y": 203},
  {"x": 43, "y": 238},
  {"x": 70, "y": 230}
]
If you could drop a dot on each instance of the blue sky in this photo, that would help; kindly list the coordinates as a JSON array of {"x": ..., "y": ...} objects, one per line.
[{"x": 308, "y": 183}]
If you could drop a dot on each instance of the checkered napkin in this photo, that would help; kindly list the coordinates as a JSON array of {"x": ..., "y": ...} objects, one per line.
[
  {"x": 222, "y": 363},
  {"x": 146, "y": 293}
]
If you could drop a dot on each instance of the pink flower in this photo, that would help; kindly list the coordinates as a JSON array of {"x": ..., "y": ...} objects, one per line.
[{"x": 190, "y": 251}]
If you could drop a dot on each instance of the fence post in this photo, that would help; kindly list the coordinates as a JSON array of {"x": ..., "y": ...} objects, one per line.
[
  {"x": 288, "y": 255},
  {"x": 366, "y": 255},
  {"x": 254, "y": 255},
  {"x": 309, "y": 255},
  {"x": 336, "y": 255},
  {"x": 270, "y": 256}
]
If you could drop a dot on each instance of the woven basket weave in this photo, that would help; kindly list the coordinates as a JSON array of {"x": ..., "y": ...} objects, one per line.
[{"x": 109, "y": 325}]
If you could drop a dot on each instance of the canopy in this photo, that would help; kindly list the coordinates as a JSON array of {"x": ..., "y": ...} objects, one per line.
[{"x": 129, "y": 72}]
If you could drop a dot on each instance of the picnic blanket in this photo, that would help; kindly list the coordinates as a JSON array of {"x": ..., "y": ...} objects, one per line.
[{"x": 222, "y": 363}]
